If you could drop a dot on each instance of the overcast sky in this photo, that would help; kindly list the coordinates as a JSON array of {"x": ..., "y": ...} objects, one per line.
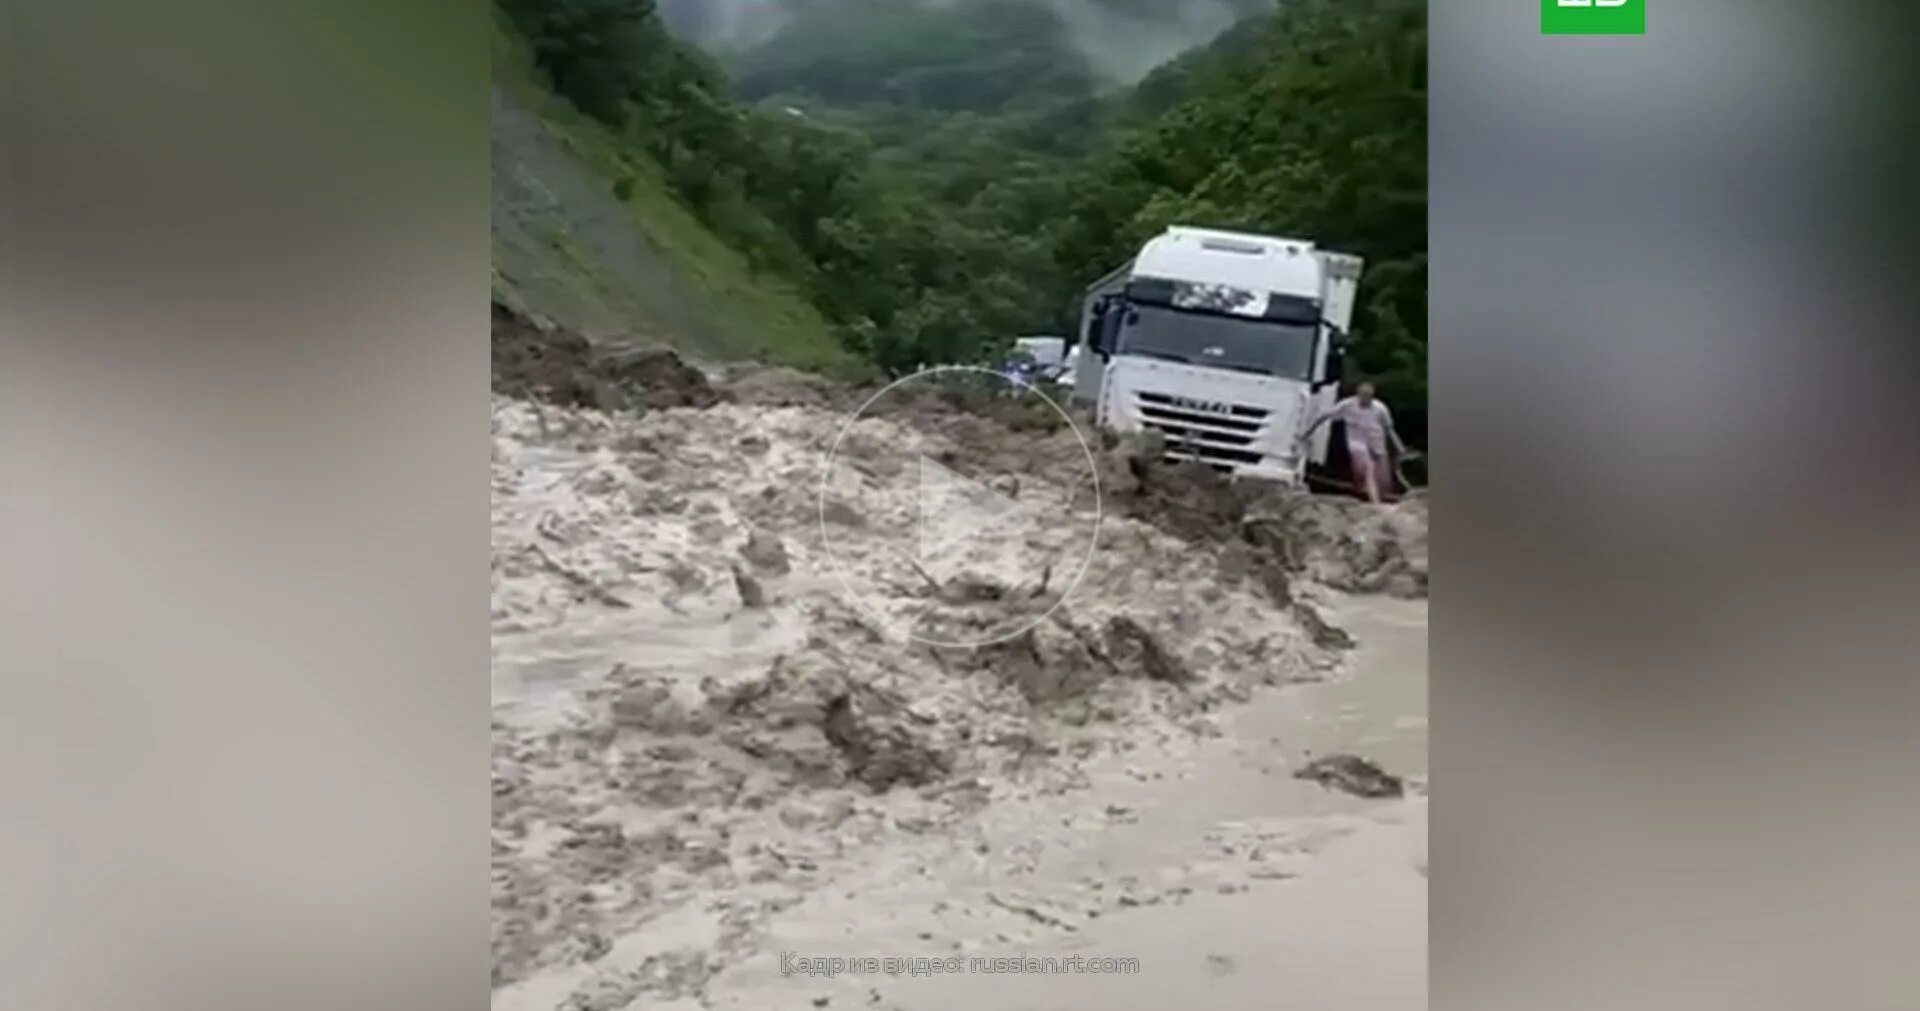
[{"x": 1120, "y": 46}]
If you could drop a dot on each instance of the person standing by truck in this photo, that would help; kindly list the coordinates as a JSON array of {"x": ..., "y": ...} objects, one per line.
[{"x": 1371, "y": 439}]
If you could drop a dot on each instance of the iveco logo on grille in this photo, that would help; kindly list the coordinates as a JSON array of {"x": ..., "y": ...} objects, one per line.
[{"x": 1207, "y": 406}]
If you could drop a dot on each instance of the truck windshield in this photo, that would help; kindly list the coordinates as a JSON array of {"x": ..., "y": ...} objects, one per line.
[{"x": 1266, "y": 347}]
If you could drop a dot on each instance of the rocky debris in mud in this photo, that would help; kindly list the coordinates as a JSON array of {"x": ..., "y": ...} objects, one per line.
[
  {"x": 1186, "y": 499},
  {"x": 1325, "y": 634},
  {"x": 775, "y": 386},
  {"x": 638, "y": 702},
  {"x": 841, "y": 514},
  {"x": 994, "y": 437},
  {"x": 670, "y": 976},
  {"x": 753, "y": 596},
  {"x": 587, "y": 588},
  {"x": 1242, "y": 562},
  {"x": 534, "y": 360},
  {"x": 747, "y": 753},
  {"x": 1031, "y": 910},
  {"x": 1060, "y": 659},
  {"x": 1132, "y": 645},
  {"x": 1268, "y": 533},
  {"x": 767, "y": 552},
  {"x": 1348, "y": 544},
  {"x": 1054, "y": 661},
  {"x": 1352, "y": 774},
  {"x": 882, "y": 747},
  {"x": 661, "y": 378}
]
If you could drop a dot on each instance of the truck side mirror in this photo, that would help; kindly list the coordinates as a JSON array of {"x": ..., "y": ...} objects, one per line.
[
  {"x": 1104, "y": 325},
  {"x": 1336, "y": 365},
  {"x": 1096, "y": 324},
  {"x": 1116, "y": 315},
  {"x": 1336, "y": 355}
]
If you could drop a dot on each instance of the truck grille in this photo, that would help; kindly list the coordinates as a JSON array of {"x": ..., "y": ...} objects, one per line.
[{"x": 1221, "y": 435}]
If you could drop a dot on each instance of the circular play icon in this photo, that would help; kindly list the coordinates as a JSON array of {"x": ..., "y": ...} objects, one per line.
[{"x": 950, "y": 529}]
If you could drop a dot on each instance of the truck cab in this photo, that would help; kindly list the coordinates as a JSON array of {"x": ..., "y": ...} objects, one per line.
[{"x": 1229, "y": 344}]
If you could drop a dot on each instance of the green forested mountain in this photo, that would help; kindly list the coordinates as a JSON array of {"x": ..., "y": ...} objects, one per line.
[
  {"x": 982, "y": 55},
  {"x": 1320, "y": 131},
  {"x": 941, "y": 178}
]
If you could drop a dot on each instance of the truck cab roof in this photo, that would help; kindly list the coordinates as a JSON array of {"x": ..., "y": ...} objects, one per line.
[{"x": 1258, "y": 263}]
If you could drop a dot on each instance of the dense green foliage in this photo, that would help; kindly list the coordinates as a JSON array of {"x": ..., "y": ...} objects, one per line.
[
  {"x": 631, "y": 258},
  {"x": 941, "y": 179},
  {"x": 1320, "y": 132}
]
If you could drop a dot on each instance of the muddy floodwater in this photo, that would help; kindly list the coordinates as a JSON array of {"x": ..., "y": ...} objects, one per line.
[
  {"x": 1221, "y": 874},
  {"x": 1229, "y": 881},
  {"x": 717, "y": 761}
]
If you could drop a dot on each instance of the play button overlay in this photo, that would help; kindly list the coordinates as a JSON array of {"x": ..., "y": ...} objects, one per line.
[
  {"x": 958, "y": 526},
  {"x": 954, "y": 507}
]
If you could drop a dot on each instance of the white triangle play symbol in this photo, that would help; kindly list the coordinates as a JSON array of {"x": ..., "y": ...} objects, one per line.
[{"x": 954, "y": 507}]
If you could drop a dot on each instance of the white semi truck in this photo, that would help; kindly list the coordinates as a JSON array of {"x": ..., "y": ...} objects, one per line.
[{"x": 1228, "y": 344}]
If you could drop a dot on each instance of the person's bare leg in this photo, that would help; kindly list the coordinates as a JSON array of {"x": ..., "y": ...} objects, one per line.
[{"x": 1366, "y": 474}]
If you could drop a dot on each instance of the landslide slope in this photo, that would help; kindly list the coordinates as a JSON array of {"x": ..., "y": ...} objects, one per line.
[{"x": 586, "y": 233}]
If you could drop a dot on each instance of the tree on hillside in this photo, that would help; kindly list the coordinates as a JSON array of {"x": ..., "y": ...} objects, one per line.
[
  {"x": 947, "y": 188},
  {"x": 1324, "y": 137}
]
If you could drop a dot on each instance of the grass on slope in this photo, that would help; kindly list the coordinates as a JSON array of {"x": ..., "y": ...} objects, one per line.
[{"x": 726, "y": 310}]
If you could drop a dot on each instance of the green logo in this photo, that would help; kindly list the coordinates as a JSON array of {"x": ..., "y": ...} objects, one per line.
[{"x": 1593, "y": 17}]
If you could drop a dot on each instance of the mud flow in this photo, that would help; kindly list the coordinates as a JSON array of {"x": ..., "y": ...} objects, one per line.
[{"x": 699, "y": 740}]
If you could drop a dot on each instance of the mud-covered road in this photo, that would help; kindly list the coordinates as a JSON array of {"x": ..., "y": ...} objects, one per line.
[
  {"x": 707, "y": 752},
  {"x": 1227, "y": 879}
]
